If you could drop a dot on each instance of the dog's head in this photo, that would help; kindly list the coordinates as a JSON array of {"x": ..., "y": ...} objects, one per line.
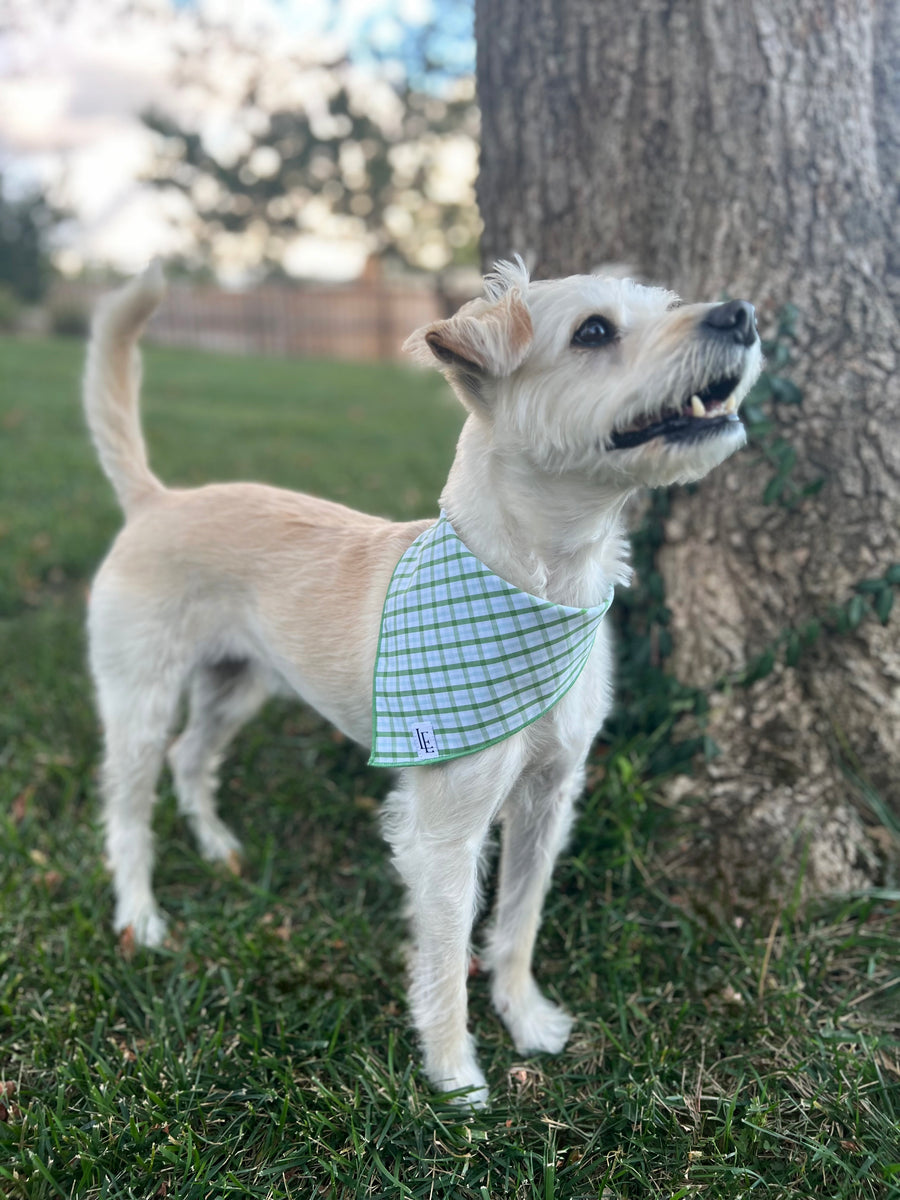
[{"x": 600, "y": 376}]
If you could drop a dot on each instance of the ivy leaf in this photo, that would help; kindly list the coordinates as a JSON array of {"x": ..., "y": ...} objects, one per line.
[
  {"x": 856, "y": 611},
  {"x": 787, "y": 321},
  {"x": 774, "y": 488},
  {"x": 760, "y": 667},
  {"x": 785, "y": 391},
  {"x": 785, "y": 455},
  {"x": 761, "y": 390},
  {"x": 753, "y": 415},
  {"x": 884, "y": 604},
  {"x": 811, "y": 631},
  {"x": 710, "y": 748},
  {"x": 892, "y": 574},
  {"x": 870, "y": 585}
]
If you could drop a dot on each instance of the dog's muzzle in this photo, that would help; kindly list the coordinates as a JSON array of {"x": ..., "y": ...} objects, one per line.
[{"x": 713, "y": 408}]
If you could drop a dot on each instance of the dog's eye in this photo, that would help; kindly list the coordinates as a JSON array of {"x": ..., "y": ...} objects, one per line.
[{"x": 595, "y": 331}]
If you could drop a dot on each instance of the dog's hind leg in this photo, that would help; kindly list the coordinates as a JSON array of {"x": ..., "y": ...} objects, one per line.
[
  {"x": 137, "y": 729},
  {"x": 223, "y": 696},
  {"x": 535, "y": 823}
]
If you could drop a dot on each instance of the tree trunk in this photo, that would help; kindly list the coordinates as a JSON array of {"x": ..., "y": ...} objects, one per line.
[{"x": 750, "y": 149}]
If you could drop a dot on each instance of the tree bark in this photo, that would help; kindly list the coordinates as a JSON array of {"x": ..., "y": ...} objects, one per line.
[{"x": 750, "y": 149}]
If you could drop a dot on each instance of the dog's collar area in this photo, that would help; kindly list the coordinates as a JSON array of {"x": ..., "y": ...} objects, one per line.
[
  {"x": 707, "y": 411},
  {"x": 466, "y": 659}
]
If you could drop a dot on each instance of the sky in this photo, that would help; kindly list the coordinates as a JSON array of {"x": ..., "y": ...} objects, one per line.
[{"x": 76, "y": 74}]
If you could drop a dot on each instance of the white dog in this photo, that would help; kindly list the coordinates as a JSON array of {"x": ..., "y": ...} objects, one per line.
[{"x": 578, "y": 392}]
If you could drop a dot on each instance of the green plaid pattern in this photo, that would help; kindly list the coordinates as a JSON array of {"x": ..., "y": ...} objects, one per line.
[{"x": 464, "y": 658}]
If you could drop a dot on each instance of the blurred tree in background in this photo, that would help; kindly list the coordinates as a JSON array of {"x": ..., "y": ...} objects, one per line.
[
  {"x": 25, "y": 227},
  {"x": 379, "y": 146}
]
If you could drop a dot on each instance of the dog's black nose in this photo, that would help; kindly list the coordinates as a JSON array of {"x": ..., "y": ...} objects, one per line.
[{"x": 736, "y": 319}]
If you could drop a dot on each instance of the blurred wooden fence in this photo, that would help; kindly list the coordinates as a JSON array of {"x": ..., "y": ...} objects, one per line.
[{"x": 366, "y": 319}]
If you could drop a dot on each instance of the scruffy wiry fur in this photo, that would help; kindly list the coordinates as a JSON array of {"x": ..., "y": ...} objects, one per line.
[{"x": 231, "y": 592}]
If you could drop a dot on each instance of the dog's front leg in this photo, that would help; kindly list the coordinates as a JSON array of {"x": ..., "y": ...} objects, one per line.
[
  {"x": 437, "y": 821},
  {"x": 535, "y": 823}
]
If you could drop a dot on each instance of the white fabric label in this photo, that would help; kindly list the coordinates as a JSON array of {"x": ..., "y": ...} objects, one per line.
[{"x": 424, "y": 741}]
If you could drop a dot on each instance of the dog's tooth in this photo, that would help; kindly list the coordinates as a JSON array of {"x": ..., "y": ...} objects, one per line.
[
  {"x": 731, "y": 404},
  {"x": 697, "y": 407}
]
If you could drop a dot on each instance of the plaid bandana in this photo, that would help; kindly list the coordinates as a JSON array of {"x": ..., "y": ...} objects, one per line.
[{"x": 464, "y": 658}]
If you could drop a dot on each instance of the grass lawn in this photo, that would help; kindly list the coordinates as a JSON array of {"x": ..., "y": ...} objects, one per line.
[{"x": 266, "y": 1052}]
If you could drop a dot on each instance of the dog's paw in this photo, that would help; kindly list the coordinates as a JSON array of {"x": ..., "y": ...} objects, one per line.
[
  {"x": 466, "y": 1088},
  {"x": 536, "y": 1024},
  {"x": 460, "y": 1081},
  {"x": 473, "y": 1098},
  {"x": 143, "y": 927},
  {"x": 217, "y": 843}
]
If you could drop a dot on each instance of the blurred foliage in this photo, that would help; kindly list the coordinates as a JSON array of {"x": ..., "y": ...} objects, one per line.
[
  {"x": 70, "y": 319},
  {"x": 25, "y": 227},
  {"x": 10, "y": 308},
  {"x": 374, "y": 146}
]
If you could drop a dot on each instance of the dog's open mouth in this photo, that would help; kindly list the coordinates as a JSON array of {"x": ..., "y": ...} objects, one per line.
[{"x": 705, "y": 412}]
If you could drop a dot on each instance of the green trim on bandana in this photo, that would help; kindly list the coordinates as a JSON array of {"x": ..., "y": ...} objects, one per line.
[{"x": 466, "y": 659}]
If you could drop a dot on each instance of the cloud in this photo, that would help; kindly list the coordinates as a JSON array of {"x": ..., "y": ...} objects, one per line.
[{"x": 66, "y": 84}]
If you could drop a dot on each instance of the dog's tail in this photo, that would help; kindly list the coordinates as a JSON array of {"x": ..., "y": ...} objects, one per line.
[{"x": 112, "y": 381}]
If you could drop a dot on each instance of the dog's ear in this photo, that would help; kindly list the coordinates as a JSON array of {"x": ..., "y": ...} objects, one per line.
[{"x": 485, "y": 340}]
